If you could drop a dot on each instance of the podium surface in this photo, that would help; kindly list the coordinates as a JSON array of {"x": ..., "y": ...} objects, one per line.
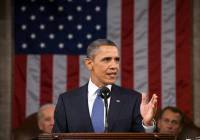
[{"x": 106, "y": 136}]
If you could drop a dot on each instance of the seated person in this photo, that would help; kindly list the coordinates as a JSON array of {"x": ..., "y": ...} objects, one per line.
[
  {"x": 36, "y": 124},
  {"x": 170, "y": 121},
  {"x": 46, "y": 117}
]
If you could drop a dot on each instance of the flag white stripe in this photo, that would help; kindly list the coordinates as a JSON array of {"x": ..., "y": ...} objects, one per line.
[
  {"x": 168, "y": 53},
  {"x": 59, "y": 76},
  {"x": 114, "y": 26},
  {"x": 141, "y": 46},
  {"x": 33, "y": 84},
  {"x": 84, "y": 72}
]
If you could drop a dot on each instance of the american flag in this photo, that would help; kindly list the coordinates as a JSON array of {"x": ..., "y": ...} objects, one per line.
[{"x": 51, "y": 37}]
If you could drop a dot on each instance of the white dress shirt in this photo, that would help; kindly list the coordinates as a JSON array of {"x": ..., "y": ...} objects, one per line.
[
  {"x": 92, "y": 94},
  {"x": 92, "y": 89}
]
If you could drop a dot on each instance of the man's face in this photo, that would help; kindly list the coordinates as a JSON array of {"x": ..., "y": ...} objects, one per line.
[
  {"x": 47, "y": 120},
  {"x": 170, "y": 123},
  {"x": 104, "y": 66}
]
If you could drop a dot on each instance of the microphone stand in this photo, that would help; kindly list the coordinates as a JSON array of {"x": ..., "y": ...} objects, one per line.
[
  {"x": 106, "y": 117},
  {"x": 105, "y": 94}
]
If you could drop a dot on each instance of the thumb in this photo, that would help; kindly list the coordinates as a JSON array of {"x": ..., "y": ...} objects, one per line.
[{"x": 143, "y": 98}]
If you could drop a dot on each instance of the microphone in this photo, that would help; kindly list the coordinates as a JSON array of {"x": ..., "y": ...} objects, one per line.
[{"x": 105, "y": 94}]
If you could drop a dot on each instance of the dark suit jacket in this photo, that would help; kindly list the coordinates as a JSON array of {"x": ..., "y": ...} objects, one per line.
[{"x": 72, "y": 113}]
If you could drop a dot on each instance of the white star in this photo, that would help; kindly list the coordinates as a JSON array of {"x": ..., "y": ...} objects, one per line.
[
  {"x": 69, "y": 0},
  {"x": 42, "y": 45},
  {"x": 51, "y": 36},
  {"x": 70, "y": 36},
  {"x": 61, "y": 27},
  {"x": 60, "y": 8},
  {"x": 51, "y": 18},
  {"x": 88, "y": 0},
  {"x": 79, "y": 45},
  {"x": 98, "y": 27},
  {"x": 33, "y": 17},
  {"x": 24, "y": 45},
  {"x": 42, "y": 26},
  {"x": 70, "y": 17},
  {"x": 88, "y": 36},
  {"x": 79, "y": 8},
  {"x": 88, "y": 17},
  {"x": 33, "y": 36},
  {"x": 23, "y": 27},
  {"x": 61, "y": 45},
  {"x": 79, "y": 27},
  {"x": 51, "y": 0},
  {"x": 97, "y": 8},
  {"x": 42, "y": 8},
  {"x": 23, "y": 8}
]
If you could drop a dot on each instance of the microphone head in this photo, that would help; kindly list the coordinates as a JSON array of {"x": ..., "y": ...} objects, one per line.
[{"x": 105, "y": 93}]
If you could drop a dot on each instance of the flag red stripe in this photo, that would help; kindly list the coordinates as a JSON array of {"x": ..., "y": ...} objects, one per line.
[
  {"x": 183, "y": 64},
  {"x": 46, "y": 79},
  {"x": 72, "y": 72},
  {"x": 154, "y": 49},
  {"x": 19, "y": 98},
  {"x": 127, "y": 43}
]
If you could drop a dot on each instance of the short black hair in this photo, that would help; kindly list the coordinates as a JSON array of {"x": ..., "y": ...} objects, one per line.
[{"x": 92, "y": 47}]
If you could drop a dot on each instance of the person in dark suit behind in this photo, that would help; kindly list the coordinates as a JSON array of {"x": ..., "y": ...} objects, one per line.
[
  {"x": 45, "y": 118},
  {"x": 170, "y": 121},
  {"x": 127, "y": 109}
]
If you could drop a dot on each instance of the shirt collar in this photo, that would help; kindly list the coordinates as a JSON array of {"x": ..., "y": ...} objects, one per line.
[{"x": 92, "y": 88}]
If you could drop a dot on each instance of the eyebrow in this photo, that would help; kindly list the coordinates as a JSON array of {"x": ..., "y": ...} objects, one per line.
[
  {"x": 106, "y": 58},
  {"x": 109, "y": 58}
]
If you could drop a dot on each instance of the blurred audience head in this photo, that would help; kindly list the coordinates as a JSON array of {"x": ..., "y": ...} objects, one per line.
[
  {"x": 46, "y": 117},
  {"x": 170, "y": 121}
]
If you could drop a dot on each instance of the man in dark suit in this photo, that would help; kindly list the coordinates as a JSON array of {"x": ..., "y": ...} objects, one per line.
[
  {"x": 171, "y": 121},
  {"x": 127, "y": 112},
  {"x": 46, "y": 117}
]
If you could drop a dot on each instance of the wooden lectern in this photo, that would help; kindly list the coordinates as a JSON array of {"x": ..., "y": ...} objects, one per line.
[{"x": 106, "y": 136}]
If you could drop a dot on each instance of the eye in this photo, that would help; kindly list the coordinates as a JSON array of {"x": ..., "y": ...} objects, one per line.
[
  {"x": 117, "y": 59},
  {"x": 47, "y": 119},
  {"x": 174, "y": 122},
  {"x": 106, "y": 59},
  {"x": 166, "y": 120}
]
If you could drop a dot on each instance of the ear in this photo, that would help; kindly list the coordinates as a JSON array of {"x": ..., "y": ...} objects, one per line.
[
  {"x": 158, "y": 123},
  {"x": 89, "y": 63},
  {"x": 180, "y": 128},
  {"x": 39, "y": 125}
]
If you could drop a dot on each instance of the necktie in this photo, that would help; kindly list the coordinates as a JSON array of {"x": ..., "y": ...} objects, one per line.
[{"x": 97, "y": 116}]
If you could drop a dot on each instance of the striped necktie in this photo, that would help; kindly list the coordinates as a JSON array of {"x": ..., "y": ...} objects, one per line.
[{"x": 98, "y": 114}]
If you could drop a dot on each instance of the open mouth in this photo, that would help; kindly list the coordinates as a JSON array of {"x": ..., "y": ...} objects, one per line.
[{"x": 112, "y": 74}]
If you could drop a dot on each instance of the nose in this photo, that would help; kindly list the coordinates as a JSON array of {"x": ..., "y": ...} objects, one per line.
[
  {"x": 169, "y": 125},
  {"x": 52, "y": 121},
  {"x": 114, "y": 64}
]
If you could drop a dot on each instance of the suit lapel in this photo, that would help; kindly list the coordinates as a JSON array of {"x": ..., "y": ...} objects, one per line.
[
  {"x": 82, "y": 100},
  {"x": 116, "y": 105}
]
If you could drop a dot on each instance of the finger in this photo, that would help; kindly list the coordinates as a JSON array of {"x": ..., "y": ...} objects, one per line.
[
  {"x": 154, "y": 98},
  {"x": 155, "y": 101},
  {"x": 143, "y": 98},
  {"x": 151, "y": 100}
]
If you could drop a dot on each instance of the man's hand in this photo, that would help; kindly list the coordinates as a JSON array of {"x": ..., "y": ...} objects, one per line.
[{"x": 148, "y": 110}]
